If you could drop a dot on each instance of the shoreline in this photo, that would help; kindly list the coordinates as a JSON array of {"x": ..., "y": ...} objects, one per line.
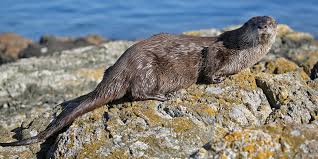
[{"x": 266, "y": 111}]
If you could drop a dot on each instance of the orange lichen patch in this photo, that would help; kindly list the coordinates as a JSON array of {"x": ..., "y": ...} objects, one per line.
[
  {"x": 95, "y": 74},
  {"x": 249, "y": 148},
  {"x": 244, "y": 79},
  {"x": 280, "y": 65},
  {"x": 236, "y": 135}
]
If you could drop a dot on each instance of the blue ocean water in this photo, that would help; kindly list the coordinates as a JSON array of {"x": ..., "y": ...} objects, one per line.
[{"x": 122, "y": 19}]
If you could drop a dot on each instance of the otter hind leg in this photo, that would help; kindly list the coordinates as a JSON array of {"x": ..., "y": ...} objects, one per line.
[{"x": 145, "y": 87}]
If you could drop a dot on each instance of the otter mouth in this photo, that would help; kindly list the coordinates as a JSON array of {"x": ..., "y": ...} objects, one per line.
[
  {"x": 268, "y": 31},
  {"x": 265, "y": 36}
]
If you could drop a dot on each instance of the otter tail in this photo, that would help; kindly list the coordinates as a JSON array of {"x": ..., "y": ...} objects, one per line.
[
  {"x": 72, "y": 109},
  {"x": 28, "y": 141}
]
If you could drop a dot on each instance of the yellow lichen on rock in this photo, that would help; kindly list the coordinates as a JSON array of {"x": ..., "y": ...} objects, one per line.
[
  {"x": 181, "y": 124},
  {"x": 313, "y": 84},
  {"x": 89, "y": 149},
  {"x": 304, "y": 75},
  {"x": 264, "y": 155},
  {"x": 252, "y": 143},
  {"x": 118, "y": 154},
  {"x": 308, "y": 59},
  {"x": 283, "y": 96},
  {"x": 236, "y": 135},
  {"x": 283, "y": 29},
  {"x": 205, "y": 109},
  {"x": 152, "y": 117},
  {"x": 286, "y": 32},
  {"x": 244, "y": 79},
  {"x": 299, "y": 36},
  {"x": 281, "y": 65}
]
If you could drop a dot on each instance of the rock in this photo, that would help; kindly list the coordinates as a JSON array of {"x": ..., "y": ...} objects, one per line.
[
  {"x": 290, "y": 96},
  {"x": 298, "y": 47},
  {"x": 94, "y": 39},
  {"x": 268, "y": 111},
  {"x": 10, "y": 46},
  {"x": 276, "y": 66},
  {"x": 271, "y": 141},
  {"x": 49, "y": 44}
]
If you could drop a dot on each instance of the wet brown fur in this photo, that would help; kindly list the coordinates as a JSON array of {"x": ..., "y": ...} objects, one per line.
[{"x": 165, "y": 63}]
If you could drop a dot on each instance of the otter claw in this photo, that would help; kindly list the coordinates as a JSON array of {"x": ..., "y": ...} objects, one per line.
[
  {"x": 161, "y": 98},
  {"x": 218, "y": 79}
]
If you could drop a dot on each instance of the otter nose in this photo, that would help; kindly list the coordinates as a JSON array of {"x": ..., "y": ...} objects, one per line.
[{"x": 262, "y": 26}]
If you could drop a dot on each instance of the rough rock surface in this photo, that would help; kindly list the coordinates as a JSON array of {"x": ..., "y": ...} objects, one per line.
[{"x": 269, "y": 110}]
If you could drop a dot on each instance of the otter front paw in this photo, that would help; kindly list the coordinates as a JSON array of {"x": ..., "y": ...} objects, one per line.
[{"x": 217, "y": 79}]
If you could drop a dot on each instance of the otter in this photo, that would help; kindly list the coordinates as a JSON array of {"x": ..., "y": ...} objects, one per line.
[{"x": 164, "y": 63}]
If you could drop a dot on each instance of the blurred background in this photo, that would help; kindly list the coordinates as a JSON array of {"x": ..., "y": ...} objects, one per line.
[{"x": 121, "y": 19}]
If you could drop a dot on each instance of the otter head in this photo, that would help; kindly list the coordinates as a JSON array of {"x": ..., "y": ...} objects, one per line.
[{"x": 261, "y": 28}]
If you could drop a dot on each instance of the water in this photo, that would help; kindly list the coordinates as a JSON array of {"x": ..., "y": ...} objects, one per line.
[{"x": 121, "y": 19}]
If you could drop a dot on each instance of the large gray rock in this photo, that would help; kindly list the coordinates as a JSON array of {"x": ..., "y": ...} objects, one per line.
[{"x": 267, "y": 111}]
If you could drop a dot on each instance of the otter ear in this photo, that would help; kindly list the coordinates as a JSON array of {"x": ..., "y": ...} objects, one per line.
[{"x": 248, "y": 23}]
